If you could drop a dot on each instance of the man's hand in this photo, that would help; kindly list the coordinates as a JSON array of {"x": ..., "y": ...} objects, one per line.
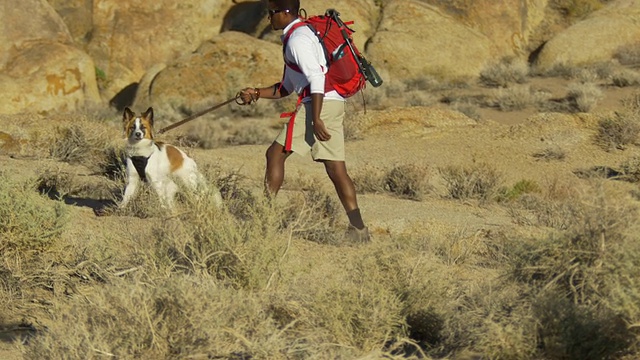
[
  {"x": 249, "y": 95},
  {"x": 320, "y": 130}
]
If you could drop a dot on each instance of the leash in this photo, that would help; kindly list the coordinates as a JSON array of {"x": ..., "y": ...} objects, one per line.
[{"x": 197, "y": 115}]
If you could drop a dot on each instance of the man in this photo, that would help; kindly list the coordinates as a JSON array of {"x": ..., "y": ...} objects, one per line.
[{"x": 317, "y": 127}]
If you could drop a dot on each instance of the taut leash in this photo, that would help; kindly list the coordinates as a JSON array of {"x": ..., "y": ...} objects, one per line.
[{"x": 197, "y": 115}]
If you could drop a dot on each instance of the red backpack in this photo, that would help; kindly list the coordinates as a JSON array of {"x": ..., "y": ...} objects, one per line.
[{"x": 346, "y": 72}]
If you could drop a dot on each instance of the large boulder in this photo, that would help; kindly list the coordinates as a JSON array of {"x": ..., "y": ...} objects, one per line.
[
  {"x": 40, "y": 69},
  {"x": 251, "y": 17},
  {"x": 28, "y": 21},
  {"x": 216, "y": 71},
  {"x": 511, "y": 25},
  {"x": 364, "y": 14},
  {"x": 594, "y": 39},
  {"x": 415, "y": 39},
  {"x": 78, "y": 16},
  {"x": 130, "y": 36}
]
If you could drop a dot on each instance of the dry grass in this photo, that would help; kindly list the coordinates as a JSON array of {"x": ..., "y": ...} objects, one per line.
[
  {"x": 505, "y": 72},
  {"x": 576, "y": 286},
  {"x": 629, "y": 54},
  {"x": 618, "y": 130},
  {"x": 517, "y": 97},
  {"x": 28, "y": 222},
  {"x": 477, "y": 181},
  {"x": 551, "y": 153},
  {"x": 265, "y": 279},
  {"x": 584, "y": 96},
  {"x": 405, "y": 181}
]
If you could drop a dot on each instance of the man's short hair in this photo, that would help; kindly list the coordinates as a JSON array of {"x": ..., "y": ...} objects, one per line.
[{"x": 292, "y": 5}]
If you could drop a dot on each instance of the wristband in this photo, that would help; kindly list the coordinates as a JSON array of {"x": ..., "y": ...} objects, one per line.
[{"x": 257, "y": 91}]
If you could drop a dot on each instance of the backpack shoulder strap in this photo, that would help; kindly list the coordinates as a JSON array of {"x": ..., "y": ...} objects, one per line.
[{"x": 285, "y": 41}]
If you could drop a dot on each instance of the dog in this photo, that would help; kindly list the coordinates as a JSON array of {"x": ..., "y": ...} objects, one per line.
[{"x": 156, "y": 163}]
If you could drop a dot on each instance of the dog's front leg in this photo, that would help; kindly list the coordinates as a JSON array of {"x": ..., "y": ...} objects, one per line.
[{"x": 133, "y": 180}]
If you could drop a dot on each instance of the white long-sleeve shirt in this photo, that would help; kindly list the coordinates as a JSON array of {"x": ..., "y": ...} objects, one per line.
[{"x": 304, "y": 49}]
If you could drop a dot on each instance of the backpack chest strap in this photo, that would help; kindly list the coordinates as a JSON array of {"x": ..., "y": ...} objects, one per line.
[{"x": 140, "y": 164}]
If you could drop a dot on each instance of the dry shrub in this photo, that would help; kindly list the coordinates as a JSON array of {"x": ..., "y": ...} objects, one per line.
[
  {"x": 551, "y": 206},
  {"x": 551, "y": 153},
  {"x": 572, "y": 331},
  {"x": 348, "y": 314},
  {"x": 70, "y": 145},
  {"x": 28, "y": 221},
  {"x": 478, "y": 181},
  {"x": 630, "y": 169},
  {"x": 369, "y": 179},
  {"x": 81, "y": 142},
  {"x": 216, "y": 133},
  {"x": 178, "y": 317},
  {"x": 628, "y": 54},
  {"x": 618, "y": 130},
  {"x": 625, "y": 78},
  {"x": 64, "y": 185},
  {"x": 467, "y": 108},
  {"x": 357, "y": 308},
  {"x": 505, "y": 72},
  {"x": 213, "y": 242},
  {"x": 464, "y": 246},
  {"x": 583, "y": 96},
  {"x": 408, "y": 181},
  {"x": 584, "y": 277},
  {"x": 519, "y": 189},
  {"x": 313, "y": 215},
  {"x": 597, "y": 231},
  {"x": 517, "y": 97},
  {"x": 632, "y": 103}
]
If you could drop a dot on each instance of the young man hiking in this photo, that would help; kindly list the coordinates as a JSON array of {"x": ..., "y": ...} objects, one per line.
[{"x": 317, "y": 127}]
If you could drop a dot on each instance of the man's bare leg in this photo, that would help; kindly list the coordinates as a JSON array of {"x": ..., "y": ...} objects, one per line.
[
  {"x": 274, "y": 173},
  {"x": 337, "y": 171}
]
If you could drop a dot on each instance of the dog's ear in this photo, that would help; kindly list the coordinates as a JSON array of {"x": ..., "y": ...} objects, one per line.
[
  {"x": 148, "y": 115},
  {"x": 127, "y": 115}
]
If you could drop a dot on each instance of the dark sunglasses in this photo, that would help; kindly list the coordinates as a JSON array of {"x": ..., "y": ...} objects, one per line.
[{"x": 275, "y": 11}]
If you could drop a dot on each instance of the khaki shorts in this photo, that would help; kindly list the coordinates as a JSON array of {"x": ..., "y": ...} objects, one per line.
[{"x": 304, "y": 140}]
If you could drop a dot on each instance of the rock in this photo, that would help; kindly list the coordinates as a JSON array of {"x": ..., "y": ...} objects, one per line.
[
  {"x": 415, "y": 40},
  {"x": 47, "y": 77},
  {"x": 595, "y": 39},
  {"x": 213, "y": 73},
  {"x": 40, "y": 69},
  {"x": 129, "y": 37}
]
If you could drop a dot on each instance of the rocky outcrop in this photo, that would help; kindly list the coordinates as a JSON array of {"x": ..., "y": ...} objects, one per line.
[
  {"x": 40, "y": 68},
  {"x": 128, "y": 37},
  {"x": 251, "y": 18},
  {"x": 594, "y": 39},
  {"x": 216, "y": 71},
  {"x": 511, "y": 25},
  {"x": 416, "y": 40},
  {"x": 155, "y": 51}
]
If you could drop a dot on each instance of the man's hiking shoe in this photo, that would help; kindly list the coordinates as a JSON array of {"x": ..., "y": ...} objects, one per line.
[{"x": 356, "y": 235}]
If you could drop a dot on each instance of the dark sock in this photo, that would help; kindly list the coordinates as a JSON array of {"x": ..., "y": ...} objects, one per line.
[{"x": 355, "y": 218}]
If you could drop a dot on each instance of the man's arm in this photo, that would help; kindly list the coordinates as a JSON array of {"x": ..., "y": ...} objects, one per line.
[{"x": 276, "y": 91}]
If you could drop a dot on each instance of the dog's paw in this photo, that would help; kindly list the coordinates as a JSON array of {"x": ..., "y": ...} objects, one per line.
[{"x": 103, "y": 211}]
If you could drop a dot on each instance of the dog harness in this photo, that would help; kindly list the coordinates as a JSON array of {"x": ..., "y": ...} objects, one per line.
[{"x": 140, "y": 163}]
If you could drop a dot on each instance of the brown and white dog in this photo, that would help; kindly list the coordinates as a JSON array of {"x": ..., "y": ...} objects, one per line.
[{"x": 155, "y": 162}]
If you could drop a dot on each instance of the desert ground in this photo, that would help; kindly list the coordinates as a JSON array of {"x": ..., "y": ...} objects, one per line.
[{"x": 448, "y": 273}]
